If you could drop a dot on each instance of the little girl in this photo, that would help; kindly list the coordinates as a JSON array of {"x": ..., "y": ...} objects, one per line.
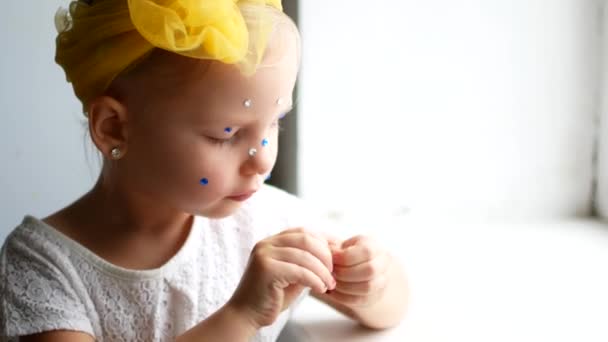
[{"x": 179, "y": 239}]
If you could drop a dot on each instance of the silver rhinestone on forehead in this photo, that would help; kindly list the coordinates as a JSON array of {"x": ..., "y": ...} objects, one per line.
[
  {"x": 280, "y": 101},
  {"x": 252, "y": 152},
  {"x": 247, "y": 103}
]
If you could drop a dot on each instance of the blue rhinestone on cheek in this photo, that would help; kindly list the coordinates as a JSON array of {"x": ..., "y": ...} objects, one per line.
[
  {"x": 204, "y": 181},
  {"x": 228, "y": 129},
  {"x": 265, "y": 142}
]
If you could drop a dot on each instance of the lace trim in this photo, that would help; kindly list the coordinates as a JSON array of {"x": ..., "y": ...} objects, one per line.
[{"x": 106, "y": 266}]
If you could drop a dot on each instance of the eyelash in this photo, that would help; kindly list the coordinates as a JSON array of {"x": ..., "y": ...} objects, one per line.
[
  {"x": 219, "y": 142},
  {"x": 278, "y": 125},
  {"x": 223, "y": 142}
]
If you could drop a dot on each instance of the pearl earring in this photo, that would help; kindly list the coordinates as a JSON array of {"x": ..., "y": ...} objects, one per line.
[{"x": 116, "y": 153}]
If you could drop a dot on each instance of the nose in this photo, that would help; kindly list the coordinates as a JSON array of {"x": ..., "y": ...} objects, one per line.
[{"x": 262, "y": 161}]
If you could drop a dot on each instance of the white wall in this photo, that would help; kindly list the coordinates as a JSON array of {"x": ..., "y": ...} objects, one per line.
[
  {"x": 602, "y": 170},
  {"x": 467, "y": 108},
  {"x": 43, "y": 165}
]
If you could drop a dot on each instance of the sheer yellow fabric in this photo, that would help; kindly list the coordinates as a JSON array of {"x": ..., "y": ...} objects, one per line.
[{"x": 99, "y": 39}]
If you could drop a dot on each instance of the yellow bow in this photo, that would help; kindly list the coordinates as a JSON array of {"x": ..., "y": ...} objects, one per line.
[{"x": 98, "y": 41}]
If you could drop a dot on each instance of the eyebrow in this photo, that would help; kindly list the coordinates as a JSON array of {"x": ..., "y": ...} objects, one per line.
[{"x": 282, "y": 113}]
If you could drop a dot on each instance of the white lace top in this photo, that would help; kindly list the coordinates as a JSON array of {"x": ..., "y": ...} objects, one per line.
[{"x": 50, "y": 282}]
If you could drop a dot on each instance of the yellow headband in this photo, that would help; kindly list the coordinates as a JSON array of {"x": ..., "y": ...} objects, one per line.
[{"x": 99, "y": 39}]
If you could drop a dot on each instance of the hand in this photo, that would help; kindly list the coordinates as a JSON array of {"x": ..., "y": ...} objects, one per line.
[
  {"x": 279, "y": 268},
  {"x": 361, "y": 270}
]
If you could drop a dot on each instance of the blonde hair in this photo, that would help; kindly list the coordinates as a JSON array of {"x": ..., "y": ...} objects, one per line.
[{"x": 99, "y": 40}]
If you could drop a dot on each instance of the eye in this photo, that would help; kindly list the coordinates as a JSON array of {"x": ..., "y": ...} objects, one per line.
[
  {"x": 218, "y": 141},
  {"x": 277, "y": 122}
]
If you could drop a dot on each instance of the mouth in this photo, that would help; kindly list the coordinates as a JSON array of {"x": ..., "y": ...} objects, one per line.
[{"x": 242, "y": 196}]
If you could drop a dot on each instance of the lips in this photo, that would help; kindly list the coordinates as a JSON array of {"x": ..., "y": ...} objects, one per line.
[{"x": 242, "y": 196}]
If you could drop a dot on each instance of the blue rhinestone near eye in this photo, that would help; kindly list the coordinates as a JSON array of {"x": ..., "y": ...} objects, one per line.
[
  {"x": 265, "y": 142},
  {"x": 204, "y": 181},
  {"x": 228, "y": 129}
]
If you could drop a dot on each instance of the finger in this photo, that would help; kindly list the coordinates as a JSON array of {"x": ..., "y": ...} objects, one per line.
[
  {"x": 332, "y": 240},
  {"x": 318, "y": 235},
  {"x": 295, "y": 274},
  {"x": 353, "y": 300},
  {"x": 306, "y": 260},
  {"x": 355, "y": 251},
  {"x": 308, "y": 242},
  {"x": 363, "y": 288},
  {"x": 365, "y": 271},
  {"x": 355, "y": 240}
]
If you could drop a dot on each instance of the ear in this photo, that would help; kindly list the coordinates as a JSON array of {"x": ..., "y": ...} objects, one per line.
[{"x": 108, "y": 125}]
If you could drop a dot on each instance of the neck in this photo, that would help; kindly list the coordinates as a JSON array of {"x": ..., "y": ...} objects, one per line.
[{"x": 130, "y": 212}]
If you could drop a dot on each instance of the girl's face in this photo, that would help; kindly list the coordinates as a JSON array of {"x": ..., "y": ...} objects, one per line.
[{"x": 188, "y": 146}]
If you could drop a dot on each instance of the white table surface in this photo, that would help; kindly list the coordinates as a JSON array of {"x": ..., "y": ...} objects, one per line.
[{"x": 532, "y": 281}]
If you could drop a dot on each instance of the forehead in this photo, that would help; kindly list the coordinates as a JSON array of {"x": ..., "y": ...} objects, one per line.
[
  {"x": 221, "y": 89},
  {"x": 267, "y": 84}
]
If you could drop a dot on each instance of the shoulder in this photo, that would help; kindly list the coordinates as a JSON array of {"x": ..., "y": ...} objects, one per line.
[
  {"x": 37, "y": 291},
  {"x": 32, "y": 240}
]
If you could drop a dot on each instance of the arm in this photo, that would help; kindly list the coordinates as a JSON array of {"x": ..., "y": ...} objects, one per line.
[
  {"x": 227, "y": 324},
  {"x": 58, "y": 336}
]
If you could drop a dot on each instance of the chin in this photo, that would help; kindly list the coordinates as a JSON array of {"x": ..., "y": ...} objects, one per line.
[{"x": 220, "y": 211}]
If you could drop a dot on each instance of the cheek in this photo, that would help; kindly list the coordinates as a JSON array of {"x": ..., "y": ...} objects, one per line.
[
  {"x": 209, "y": 178},
  {"x": 200, "y": 189},
  {"x": 179, "y": 166},
  {"x": 208, "y": 169}
]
